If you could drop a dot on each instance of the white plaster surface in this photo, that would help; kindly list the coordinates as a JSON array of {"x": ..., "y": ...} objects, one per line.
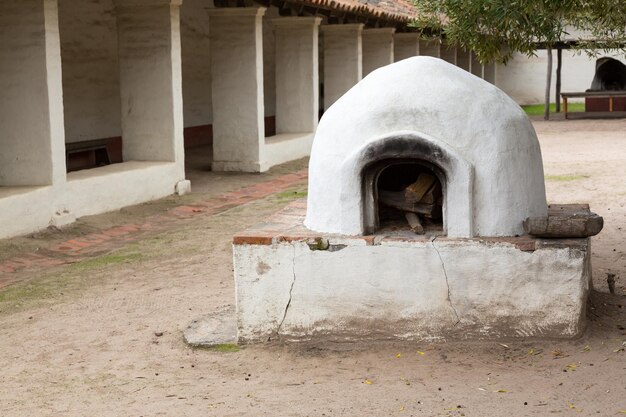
[
  {"x": 524, "y": 78},
  {"x": 150, "y": 48},
  {"x": 378, "y": 48},
  {"x": 151, "y": 82},
  {"x": 269, "y": 61},
  {"x": 476, "y": 67},
  {"x": 91, "y": 75},
  {"x": 86, "y": 192},
  {"x": 406, "y": 45},
  {"x": 489, "y": 73},
  {"x": 297, "y": 74},
  {"x": 430, "y": 99},
  {"x": 98, "y": 190},
  {"x": 237, "y": 93},
  {"x": 196, "y": 63},
  {"x": 409, "y": 290},
  {"x": 448, "y": 54},
  {"x": 343, "y": 59},
  {"x": 430, "y": 48},
  {"x": 31, "y": 106},
  {"x": 463, "y": 59},
  {"x": 287, "y": 147}
]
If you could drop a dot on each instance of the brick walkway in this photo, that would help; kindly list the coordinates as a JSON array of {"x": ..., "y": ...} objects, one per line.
[{"x": 74, "y": 250}]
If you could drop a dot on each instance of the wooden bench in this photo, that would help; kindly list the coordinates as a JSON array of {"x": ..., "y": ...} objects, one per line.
[
  {"x": 610, "y": 95},
  {"x": 87, "y": 154}
]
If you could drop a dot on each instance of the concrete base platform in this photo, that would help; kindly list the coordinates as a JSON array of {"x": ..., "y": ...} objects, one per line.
[{"x": 296, "y": 284}]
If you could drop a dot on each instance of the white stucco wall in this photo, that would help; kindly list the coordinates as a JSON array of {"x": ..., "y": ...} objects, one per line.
[
  {"x": 378, "y": 49},
  {"x": 297, "y": 76},
  {"x": 196, "y": 57},
  {"x": 91, "y": 81},
  {"x": 524, "y": 79},
  {"x": 429, "y": 98},
  {"x": 32, "y": 122},
  {"x": 421, "y": 290},
  {"x": 269, "y": 61},
  {"x": 31, "y": 108},
  {"x": 91, "y": 78}
]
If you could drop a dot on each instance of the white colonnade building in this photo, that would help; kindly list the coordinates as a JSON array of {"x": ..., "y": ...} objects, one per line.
[{"x": 102, "y": 100}]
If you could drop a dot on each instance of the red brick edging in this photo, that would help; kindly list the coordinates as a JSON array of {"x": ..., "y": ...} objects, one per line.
[{"x": 76, "y": 249}]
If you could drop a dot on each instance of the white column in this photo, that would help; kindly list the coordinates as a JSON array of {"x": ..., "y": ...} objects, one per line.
[
  {"x": 377, "y": 48},
  {"x": 448, "y": 53},
  {"x": 430, "y": 48},
  {"x": 476, "y": 67},
  {"x": 490, "y": 73},
  {"x": 150, "y": 80},
  {"x": 297, "y": 74},
  {"x": 343, "y": 65},
  {"x": 237, "y": 89},
  {"x": 406, "y": 45},
  {"x": 32, "y": 137},
  {"x": 463, "y": 59}
]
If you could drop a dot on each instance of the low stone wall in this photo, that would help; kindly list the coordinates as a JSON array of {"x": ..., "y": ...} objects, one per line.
[{"x": 297, "y": 284}]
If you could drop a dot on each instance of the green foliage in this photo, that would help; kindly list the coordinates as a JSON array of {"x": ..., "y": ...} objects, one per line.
[{"x": 495, "y": 29}]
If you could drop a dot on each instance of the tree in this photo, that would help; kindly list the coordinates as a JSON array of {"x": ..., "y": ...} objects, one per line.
[{"x": 496, "y": 29}]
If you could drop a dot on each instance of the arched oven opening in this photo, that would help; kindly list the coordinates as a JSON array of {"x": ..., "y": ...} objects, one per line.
[{"x": 404, "y": 195}]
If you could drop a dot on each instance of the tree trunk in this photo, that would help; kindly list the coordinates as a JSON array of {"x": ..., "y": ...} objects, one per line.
[
  {"x": 546, "y": 112},
  {"x": 559, "y": 64}
]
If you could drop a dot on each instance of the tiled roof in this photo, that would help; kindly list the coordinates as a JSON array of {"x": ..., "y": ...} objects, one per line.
[{"x": 397, "y": 10}]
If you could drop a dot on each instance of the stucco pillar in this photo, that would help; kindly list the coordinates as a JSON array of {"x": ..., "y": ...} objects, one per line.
[
  {"x": 150, "y": 80},
  {"x": 297, "y": 74},
  {"x": 343, "y": 53},
  {"x": 377, "y": 48},
  {"x": 489, "y": 73},
  {"x": 237, "y": 88},
  {"x": 430, "y": 48},
  {"x": 32, "y": 137},
  {"x": 448, "y": 53},
  {"x": 463, "y": 59},
  {"x": 406, "y": 45},
  {"x": 476, "y": 67}
]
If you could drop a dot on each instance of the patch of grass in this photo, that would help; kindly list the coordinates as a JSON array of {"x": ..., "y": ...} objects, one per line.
[
  {"x": 566, "y": 177},
  {"x": 106, "y": 260},
  {"x": 223, "y": 348},
  {"x": 287, "y": 196},
  {"x": 537, "y": 109},
  {"x": 37, "y": 290}
]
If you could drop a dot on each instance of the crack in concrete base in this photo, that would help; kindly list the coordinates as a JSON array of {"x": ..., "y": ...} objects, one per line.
[
  {"x": 293, "y": 269},
  {"x": 445, "y": 273}
]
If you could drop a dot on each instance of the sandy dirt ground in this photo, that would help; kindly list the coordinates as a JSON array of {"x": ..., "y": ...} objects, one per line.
[{"x": 103, "y": 337}]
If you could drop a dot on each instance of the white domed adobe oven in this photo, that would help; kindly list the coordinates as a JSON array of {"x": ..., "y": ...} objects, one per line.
[{"x": 426, "y": 218}]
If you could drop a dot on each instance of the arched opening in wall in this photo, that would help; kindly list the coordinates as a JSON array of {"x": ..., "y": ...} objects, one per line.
[{"x": 405, "y": 196}]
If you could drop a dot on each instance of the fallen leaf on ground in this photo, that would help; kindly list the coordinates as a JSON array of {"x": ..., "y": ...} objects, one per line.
[
  {"x": 557, "y": 353},
  {"x": 503, "y": 345},
  {"x": 368, "y": 382},
  {"x": 398, "y": 355},
  {"x": 421, "y": 353}
]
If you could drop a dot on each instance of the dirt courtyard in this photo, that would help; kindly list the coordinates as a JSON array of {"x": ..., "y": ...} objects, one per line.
[{"x": 102, "y": 336}]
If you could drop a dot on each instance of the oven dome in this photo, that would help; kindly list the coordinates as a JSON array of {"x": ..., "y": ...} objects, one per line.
[{"x": 427, "y": 109}]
